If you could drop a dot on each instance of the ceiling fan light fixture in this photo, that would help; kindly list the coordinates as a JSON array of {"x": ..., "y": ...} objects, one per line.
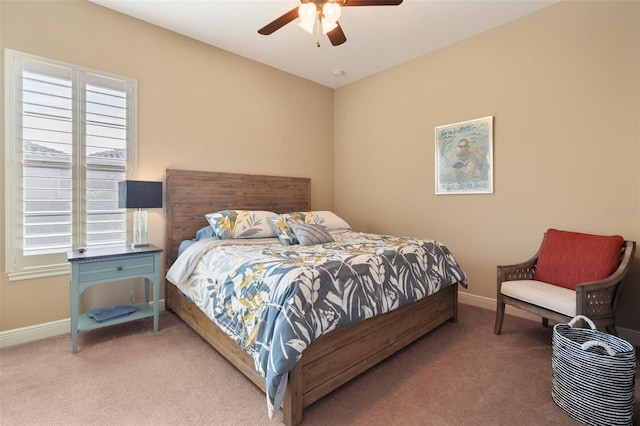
[
  {"x": 307, "y": 26},
  {"x": 307, "y": 13},
  {"x": 331, "y": 12}
]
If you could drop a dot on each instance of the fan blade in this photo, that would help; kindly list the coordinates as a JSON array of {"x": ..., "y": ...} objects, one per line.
[
  {"x": 279, "y": 22},
  {"x": 336, "y": 35},
  {"x": 347, "y": 3}
]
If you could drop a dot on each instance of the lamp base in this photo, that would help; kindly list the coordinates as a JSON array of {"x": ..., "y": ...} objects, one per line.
[{"x": 140, "y": 238}]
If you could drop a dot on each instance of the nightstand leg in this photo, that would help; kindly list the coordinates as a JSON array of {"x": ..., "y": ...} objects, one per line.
[
  {"x": 146, "y": 290},
  {"x": 156, "y": 293},
  {"x": 75, "y": 295},
  {"x": 156, "y": 303}
]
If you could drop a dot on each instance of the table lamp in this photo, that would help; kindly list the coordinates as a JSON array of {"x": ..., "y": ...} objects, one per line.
[{"x": 137, "y": 194}]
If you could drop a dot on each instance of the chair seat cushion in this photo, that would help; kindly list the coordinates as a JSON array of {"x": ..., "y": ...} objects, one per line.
[
  {"x": 570, "y": 258},
  {"x": 549, "y": 296}
]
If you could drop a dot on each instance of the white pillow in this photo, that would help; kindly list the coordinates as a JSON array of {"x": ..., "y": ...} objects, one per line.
[{"x": 328, "y": 219}]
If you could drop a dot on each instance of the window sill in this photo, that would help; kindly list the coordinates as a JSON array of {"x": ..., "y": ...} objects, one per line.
[{"x": 41, "y": 272}]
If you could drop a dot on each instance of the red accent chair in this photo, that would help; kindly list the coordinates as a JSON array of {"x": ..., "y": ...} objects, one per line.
[{"x": 571, "y": 274}]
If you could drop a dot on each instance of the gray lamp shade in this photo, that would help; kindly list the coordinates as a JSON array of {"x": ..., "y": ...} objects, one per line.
[{"x": 138, "y": 194}]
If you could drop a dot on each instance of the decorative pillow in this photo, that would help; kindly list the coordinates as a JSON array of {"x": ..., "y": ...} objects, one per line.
[
  {"x": 228, "y": 224},
  {"x": 297, "y": 217},
  {"x": 280, "y": 226},
  {"x": 570, "y": 258},
  {"x": 329, "y": 220},
  {"x": 309, "y": 234}
]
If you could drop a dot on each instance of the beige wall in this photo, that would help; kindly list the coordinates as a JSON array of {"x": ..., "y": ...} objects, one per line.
[
  {"x": 200, "y": 108},
  {"x": 563, "y": 86}
]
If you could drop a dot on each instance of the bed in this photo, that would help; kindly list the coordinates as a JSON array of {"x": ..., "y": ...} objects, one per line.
[{"x": 329, "y": 360}]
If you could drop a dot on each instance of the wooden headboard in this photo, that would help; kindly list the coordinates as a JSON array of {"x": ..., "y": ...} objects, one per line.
[{"x": 192, "y": 194}]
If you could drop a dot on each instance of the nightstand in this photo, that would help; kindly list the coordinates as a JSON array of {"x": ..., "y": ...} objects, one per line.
[{"x": 115, "y": 263}]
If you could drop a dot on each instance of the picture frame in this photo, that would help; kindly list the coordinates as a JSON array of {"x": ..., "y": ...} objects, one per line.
[{"x": 464, "y": 157}]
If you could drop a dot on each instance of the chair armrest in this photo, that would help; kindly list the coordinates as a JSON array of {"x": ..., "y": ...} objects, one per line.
[
  {"x": 520, "y": 271},
  {"x": 601, "y": 297}
]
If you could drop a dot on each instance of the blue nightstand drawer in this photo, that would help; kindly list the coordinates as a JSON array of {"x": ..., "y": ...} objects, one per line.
[{"x": 116, "y": 268}]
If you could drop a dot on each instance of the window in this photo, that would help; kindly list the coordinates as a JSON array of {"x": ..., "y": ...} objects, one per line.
[{"x": 70, "y": 138}]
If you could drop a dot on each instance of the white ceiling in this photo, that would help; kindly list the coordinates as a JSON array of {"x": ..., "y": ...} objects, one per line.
[{"x": 378, "y": 37}]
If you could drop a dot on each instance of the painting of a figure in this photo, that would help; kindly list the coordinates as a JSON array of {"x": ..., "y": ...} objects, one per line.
[{"x": 464, "y": 157}]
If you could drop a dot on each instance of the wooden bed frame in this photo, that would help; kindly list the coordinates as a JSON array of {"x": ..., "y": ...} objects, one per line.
[{"x": 334, "y": 358}]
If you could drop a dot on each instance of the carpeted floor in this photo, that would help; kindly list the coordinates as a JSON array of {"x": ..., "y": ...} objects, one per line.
[{"x": 460, "y": 374}]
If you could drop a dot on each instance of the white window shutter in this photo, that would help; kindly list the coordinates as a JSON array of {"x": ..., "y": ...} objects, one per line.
[{"x": 70, "y": 138}]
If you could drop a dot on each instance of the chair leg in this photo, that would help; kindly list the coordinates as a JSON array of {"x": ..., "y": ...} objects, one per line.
[
  {"x": 545, "y": 322},
  {"x": 499, "y": 317}
]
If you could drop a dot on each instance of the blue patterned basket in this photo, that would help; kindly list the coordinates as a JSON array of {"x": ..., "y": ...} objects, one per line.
[{"x": 593, "y": 374}]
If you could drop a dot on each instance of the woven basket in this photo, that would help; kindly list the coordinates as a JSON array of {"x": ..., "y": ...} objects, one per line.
[{"x": 593, "y": 374}]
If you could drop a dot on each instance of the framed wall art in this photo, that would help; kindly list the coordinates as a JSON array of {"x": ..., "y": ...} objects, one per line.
[{"x": 464, "y": 157}]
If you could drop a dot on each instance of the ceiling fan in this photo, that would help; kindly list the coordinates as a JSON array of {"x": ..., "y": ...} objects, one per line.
[{"x": 322, "y": 16}]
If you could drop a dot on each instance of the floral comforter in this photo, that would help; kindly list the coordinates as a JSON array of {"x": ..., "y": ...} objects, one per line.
[{"x": 274, "y": 300}]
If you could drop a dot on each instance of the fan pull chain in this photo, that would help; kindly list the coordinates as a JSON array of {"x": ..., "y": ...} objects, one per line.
[{"x": 318, "y": 26}]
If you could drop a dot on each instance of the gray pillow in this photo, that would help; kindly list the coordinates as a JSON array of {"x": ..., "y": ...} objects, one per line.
[{"x": 309, "y": 234}]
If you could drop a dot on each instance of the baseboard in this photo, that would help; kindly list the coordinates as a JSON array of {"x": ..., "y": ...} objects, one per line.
[
  {"x": 32, "y": 333},
  {"x": 630, "y": 335}
]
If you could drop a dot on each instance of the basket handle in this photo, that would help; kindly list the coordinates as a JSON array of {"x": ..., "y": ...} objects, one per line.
[
  {"x": 592, "y": 343},
  {"x": 582, "y": 317}
]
